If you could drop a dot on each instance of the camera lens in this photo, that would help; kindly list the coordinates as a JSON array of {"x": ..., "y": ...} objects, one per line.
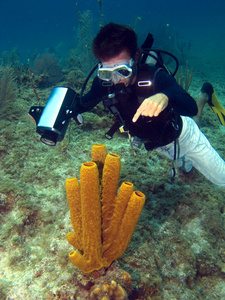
[{"x": 49, "y": 138}]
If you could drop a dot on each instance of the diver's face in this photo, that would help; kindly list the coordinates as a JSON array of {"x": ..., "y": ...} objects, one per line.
[{"x": 120, "y": 75}]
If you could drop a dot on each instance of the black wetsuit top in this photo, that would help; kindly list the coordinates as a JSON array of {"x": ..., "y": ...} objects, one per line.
[{"x": 155, "y": 131}]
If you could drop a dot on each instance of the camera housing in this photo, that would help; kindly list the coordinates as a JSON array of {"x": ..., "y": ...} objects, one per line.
[{"x": 53, "y": 119}]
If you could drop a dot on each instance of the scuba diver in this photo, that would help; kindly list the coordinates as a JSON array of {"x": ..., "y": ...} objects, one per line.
[
  {"x": 208, "y": 96},
  {"x": 145, "y": 99},
  {"x": 149, "y": 103}
]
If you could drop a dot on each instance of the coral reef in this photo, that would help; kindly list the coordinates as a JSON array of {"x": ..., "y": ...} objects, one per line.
[
  {"x": 103, "y": 222},
  {"x": 183, "y": 48},
  {"x": 10, "y": 58},
  {"x": 85, "y": 36},
  {"x": 177, "y": 250},
  {"x": 101, "y": 13},
  {"x": 184, "y": 80},
  {"x": 109, "y": 291},
  {"x": 75, "y": 79},
  {"x": 113, "y": 283},
  {"x": 47, "y": 71},
  {"x": 7, "y": 88}
]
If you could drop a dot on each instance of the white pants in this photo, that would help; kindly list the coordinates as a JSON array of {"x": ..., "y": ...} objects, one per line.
[{"x": 194, "y": 146}]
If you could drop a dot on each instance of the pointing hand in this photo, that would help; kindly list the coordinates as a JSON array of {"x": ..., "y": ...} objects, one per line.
[{"x": 152, "y": 106}]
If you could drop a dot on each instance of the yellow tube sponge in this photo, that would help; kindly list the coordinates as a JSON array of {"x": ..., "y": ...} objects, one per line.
[
  {"x": 128, "y": 224},
  {"x": 91, "y": 221},
  {"x": 74, "y": 201},
  {"x": 103, "y": 221},
  {"x": 110, "y": 178},
  {"x": 125, "y": 192},
  {"x": 98, "y": 153}
]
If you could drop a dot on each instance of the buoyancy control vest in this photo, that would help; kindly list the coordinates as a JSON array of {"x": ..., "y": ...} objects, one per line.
[
  {"x": 150, "y": 59},
  {"x": 163, "y": 128}
]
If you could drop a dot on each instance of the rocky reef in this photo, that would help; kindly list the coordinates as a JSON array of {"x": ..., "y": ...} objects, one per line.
[{"x": 178, "y": 247}]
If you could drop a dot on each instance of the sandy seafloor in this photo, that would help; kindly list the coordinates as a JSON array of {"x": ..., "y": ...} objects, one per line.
[{"x": 178, "y": 248}]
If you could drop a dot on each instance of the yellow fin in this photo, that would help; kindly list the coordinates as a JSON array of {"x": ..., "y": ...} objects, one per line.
[{"x": 217, "y": 108}]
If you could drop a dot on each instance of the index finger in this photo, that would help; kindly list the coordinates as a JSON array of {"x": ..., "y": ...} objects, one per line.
[{"x": 136, "y": 116}]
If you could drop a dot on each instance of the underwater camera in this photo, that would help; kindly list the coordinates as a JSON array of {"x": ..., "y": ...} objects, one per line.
[{"x": 53, "y": 119}]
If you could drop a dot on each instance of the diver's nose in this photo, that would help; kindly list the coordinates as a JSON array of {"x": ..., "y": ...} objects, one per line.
[{"x": 115, "y": 78}]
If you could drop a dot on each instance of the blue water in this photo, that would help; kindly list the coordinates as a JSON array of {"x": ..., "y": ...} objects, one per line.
[{"x": 39, "y": 25}]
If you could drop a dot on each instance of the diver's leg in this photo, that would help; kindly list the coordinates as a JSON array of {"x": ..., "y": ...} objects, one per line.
[
  {"x": 181, "y": 162},
  {"x": 195, "y": 146},
  {"x": 201, "y": 102}
]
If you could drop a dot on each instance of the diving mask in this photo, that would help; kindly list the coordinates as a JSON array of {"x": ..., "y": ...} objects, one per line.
[{"x": 116, "y": 72}]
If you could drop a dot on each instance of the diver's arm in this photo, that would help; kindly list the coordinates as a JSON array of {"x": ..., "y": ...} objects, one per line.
[
  {"x": 180, "y": 100},
  {"x": 91, "y": 99},
  {"x": 167, "y": 91}
]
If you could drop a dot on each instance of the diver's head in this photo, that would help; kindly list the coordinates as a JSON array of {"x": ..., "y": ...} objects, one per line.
[
  {"x": 116, "y": 46},
  {"x": 112, "y": 39},
  {"x": 118, "y": 69}
]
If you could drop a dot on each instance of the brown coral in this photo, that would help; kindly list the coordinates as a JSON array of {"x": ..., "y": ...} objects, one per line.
[
  {"x": 113, "y": 283},
  {"x": 108, "y": 291}
]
